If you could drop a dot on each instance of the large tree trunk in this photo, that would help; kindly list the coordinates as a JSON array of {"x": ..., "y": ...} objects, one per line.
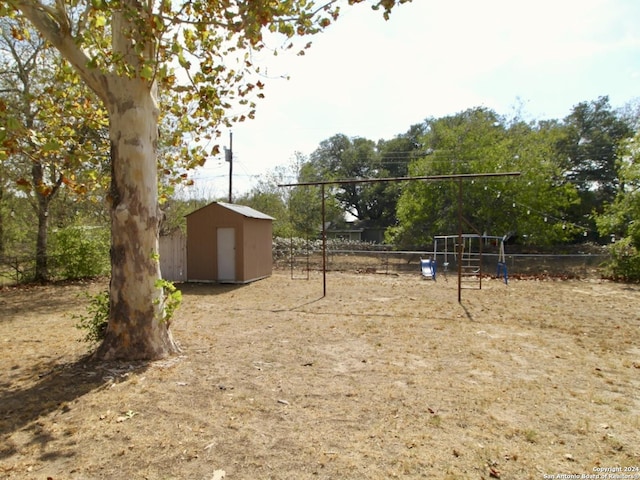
[
  {"x": 42, "y": 211},
  {"x": 137, "y": 329}
]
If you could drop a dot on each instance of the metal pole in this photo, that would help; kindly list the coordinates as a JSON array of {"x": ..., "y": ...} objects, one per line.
[
  {"x": 460, "y": 244},
  {"x": 324, "y": 247},
  {"x": 454, "y": 176},
  {"x": 230, "y": 166},
  {"x": 481, "y": 239}
]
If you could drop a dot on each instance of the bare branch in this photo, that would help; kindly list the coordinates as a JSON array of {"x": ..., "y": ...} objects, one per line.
[{"x": 53, "y": 25}]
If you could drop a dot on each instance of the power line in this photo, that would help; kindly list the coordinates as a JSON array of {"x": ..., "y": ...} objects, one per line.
[{"x": 545, "y": 215}]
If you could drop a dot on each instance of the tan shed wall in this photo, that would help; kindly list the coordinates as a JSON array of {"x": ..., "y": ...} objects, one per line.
[{"x": 257, "y": 248}]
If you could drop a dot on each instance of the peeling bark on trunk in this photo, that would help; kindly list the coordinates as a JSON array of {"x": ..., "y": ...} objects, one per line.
[{"x": 136, "y": 329}]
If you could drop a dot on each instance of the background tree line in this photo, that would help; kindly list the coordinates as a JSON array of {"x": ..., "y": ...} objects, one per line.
[
  {"x": 579, "y": 175},
  {"x": 578, "y": 183}
]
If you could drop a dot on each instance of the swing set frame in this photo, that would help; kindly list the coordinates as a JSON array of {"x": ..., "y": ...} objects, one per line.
[
  {"x": 467, "y": 250},
  {"x": 459, "y": 177}
]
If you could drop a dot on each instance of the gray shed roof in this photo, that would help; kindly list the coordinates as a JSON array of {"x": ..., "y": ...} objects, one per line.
[{"x": 246, "y": 211}]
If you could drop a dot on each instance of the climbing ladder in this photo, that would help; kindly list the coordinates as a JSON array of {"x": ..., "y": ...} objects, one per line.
[{"x": 469, "y": 251}]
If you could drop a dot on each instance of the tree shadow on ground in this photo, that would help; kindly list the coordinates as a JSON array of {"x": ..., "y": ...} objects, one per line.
[
  {"x": 200, "y": 288},
  {"x": 57, "y": 385},
  {"x": 43, "y": 298}
]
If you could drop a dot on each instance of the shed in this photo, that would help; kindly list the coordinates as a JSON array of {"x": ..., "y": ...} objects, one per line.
[{"x": 228, "y": 243}]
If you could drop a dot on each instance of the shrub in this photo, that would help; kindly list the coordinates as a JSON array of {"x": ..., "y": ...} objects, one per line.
[
  {"x": 95, "y": 322},
  {"x": 97, "y": 318},
  {"x": 625, "y": 261},
  {"x": 80, "y": 252},
  {"x": 284, "y": 247},
  {"x": 172, "y": 299}
]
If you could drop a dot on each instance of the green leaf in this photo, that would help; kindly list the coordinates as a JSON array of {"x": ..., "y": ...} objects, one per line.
[
  {"x": 51, "y": 145},
  {"x": 183, "y": 62},
  {"x": 147, "y": 72},
  {"x": 13, "y": 123}
]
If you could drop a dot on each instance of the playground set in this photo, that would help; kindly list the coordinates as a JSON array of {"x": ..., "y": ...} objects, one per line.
[
  {"x": 466, "y": 250},
  {"x": 464, "y": 246}
]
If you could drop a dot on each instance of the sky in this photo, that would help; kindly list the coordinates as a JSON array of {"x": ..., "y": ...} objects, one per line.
[{"x": 371, "y": 78}]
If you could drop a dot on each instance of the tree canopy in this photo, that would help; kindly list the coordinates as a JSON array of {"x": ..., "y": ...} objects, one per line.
[
  {"x": 549, "y": 204},
  {"x": 621, "y": 217},
  {"x": 55, "y": 136},
  {"x": 199, "y": 54},
  {"x": 591, "y": 143}
]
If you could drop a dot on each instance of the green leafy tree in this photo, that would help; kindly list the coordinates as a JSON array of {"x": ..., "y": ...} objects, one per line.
[
  {"x": 621, "y": 218},
  {"x": 174, "y": 212},
  {"x": 4, "y": 194},
  {"x": 305, "y": 204},
  {"x": 341, "y": 157},
  {"x": 18, "y": 240},
  {"x": 466, "y": 142},
  {"x": 537, "y": 204},
  {"x": 21, "y": 87},
  {"x": 268, "y": 198},
  {"x": 479, "y": 141},
  {"x": 395, "y": 156},
  {"x": 591, "y": 147},
  {"x": 53, "y": 129},
  {"x": 3, "y": 216},
  {"x": 125, "y": 50}
]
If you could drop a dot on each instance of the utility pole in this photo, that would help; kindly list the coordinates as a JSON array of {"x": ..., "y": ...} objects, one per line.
[{"x": 228, "y": 157}]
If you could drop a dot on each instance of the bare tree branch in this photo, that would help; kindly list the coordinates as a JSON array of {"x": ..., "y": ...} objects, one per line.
[{"x": 53, "y": 25}]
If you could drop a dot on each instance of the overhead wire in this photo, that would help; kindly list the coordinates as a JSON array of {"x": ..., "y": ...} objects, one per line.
[
  {"x": 544, "y": 215},
  {"x": 400, "y": 157}
]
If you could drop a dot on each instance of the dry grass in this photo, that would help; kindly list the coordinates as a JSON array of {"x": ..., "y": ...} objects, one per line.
[{"x": 385, "y": 377}]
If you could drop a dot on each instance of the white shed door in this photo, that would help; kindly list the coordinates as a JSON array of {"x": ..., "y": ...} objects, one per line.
[{"x": 226, "y": 254}]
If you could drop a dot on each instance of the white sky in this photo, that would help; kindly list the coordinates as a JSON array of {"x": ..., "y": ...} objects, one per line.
[{"x": 365, "y": 77}]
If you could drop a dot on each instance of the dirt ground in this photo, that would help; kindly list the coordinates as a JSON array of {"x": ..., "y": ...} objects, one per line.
[{"x": 386, "y": 377}]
